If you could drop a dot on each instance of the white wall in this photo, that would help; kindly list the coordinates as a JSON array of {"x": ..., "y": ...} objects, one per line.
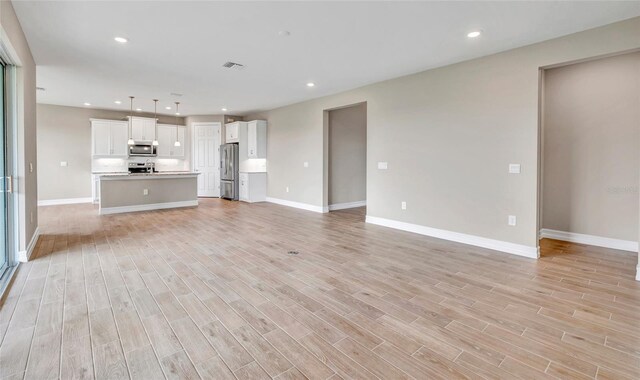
[
  {"x": 448, "y": 135},
  {"x": 592, "y": 147}
]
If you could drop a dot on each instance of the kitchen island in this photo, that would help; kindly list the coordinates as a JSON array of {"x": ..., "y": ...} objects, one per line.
[{"x": 123, "y": 192}]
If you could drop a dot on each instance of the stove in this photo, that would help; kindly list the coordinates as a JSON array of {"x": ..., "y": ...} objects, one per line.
[{"x": 142, "y": 167}]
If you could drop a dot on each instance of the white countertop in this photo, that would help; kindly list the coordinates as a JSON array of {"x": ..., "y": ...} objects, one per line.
[{"x": 147, "y": 175}]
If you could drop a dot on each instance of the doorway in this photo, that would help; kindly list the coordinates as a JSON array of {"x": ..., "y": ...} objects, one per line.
[
  {"x": 206, "y": 157},
  {"x": 347, "y": 157},
  {"x": 590, "y": 157}
]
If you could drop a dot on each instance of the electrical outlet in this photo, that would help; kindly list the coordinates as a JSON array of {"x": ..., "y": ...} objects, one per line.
[
  {"x": 403, "y": 205},
  {"x": 514, "y": 168},
  {"x": 287, "y": 189},
  {"x": 306, "y": 164},
  {"x": 63, "y": 163},
  {"x": 383, "y": 165},
  {"x": 512, "y": 220},
  {"x": 145, "y": 192}
]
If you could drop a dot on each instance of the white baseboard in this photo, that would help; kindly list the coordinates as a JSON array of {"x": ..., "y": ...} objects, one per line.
[
  {"x": 497, "y": 245},
  {"x": 303, "y": 206},
  {"x": 67, "y": 201},
  {"x": 599, "y": 241},
  {"x": 342, "y": 206},
  {"x": 146, "y": 207},
  {"x": 24, "y": 256}
]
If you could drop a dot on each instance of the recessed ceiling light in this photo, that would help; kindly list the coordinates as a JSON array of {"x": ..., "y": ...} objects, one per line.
[
  {"x": 167, "y": 108},
  {"x": 224, "y": 110},
  {"x": 118, "y": 102},
  {"x": 177, "y": 113},
  {"x": 138, "y": 109},
  {"x": 121, "y": 40},
  {"x": 474, "y": 34},
  {"x": 87, "y": 103},
  {"x": 311, "y": 84}
]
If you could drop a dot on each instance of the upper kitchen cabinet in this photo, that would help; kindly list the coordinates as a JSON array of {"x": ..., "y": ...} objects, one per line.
[
  {"x": 257, "y": 139},
  {"x": 167, "y": 136},
  {"x": 232, "y": 131},
  {"x": 143, "y": 128},
  {"x": 109, "y": 138}
]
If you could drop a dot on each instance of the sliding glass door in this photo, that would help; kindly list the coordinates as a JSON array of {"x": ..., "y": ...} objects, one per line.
[{"x": 5, "y": 183}]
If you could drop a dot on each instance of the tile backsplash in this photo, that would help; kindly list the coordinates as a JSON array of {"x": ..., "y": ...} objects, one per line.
[{"x": 121, "y": 164}]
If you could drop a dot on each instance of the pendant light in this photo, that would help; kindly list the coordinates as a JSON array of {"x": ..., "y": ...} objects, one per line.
[
  {"x": 177, "y": 143},
  {"x": 131, "y": 142},
  {"x": 155, "y": 122}
]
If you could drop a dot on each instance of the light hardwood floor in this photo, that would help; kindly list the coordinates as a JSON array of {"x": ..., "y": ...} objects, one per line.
[{"x": 212, "y": 292}]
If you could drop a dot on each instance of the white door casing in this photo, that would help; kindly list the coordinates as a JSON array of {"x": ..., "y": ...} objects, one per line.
[{"x": 206, "y": 157}]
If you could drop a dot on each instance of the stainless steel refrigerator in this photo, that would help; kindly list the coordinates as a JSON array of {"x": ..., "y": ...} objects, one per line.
[{"x": 229, "y": 171}]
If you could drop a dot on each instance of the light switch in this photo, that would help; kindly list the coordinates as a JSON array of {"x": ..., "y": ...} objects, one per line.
[
  {"x": 306, "y": 164},
  {"x": 403, "y": 205},
  {"x": 383, "y": 165},
  {"x": 30, "y": 167},
  {"x": 145, "y": 192},
  {"x": 63, "y": 163},
  {"x": 514, "y": 168},
  {"x": 512, "y": 220}
]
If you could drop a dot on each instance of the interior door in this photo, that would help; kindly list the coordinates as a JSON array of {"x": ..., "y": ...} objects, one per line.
[{"x": 206, "y": 153}]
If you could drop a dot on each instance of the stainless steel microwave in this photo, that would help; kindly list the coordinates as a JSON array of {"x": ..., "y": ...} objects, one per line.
[{"x": 143, "y": 149}]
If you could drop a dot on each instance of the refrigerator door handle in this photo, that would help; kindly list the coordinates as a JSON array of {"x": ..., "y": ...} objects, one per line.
[{"x": 226, "y": 161}]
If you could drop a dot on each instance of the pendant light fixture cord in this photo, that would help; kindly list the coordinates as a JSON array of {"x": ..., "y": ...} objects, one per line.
[
  {"x": 130, "y": 142},
  {"x": 155, "y": 121},
  {"x": 177, "y": 143}
]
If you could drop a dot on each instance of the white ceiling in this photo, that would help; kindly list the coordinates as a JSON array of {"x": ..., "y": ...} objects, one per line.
[{"x": 180, "y": 46}]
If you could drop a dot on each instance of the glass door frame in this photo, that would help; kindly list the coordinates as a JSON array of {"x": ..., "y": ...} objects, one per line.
[{"x": 9, "y": 115}]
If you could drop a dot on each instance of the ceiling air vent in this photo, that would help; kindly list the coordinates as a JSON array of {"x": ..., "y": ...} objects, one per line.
[
  {"x": 40, "y": 88},
  {"x": 233, "y": 65}
]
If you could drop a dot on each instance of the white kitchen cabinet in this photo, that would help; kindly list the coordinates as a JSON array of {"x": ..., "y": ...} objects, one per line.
[
  {"x": 167, "y": 139},
  {"x": 243, "y": 184},
  {"x": 232, "y": 131},
  {"x": 101, "y": 135},
  {"x": 119, "y": 139},
  {"x": 95, "y": 188},
  {"x": 109, "y": 138},
  {"x": 252, "y": 187},
  {"x": 143, "y": 128},
  {"x": 257, "y": 139},
  {"x": 178, "y": 151}
]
